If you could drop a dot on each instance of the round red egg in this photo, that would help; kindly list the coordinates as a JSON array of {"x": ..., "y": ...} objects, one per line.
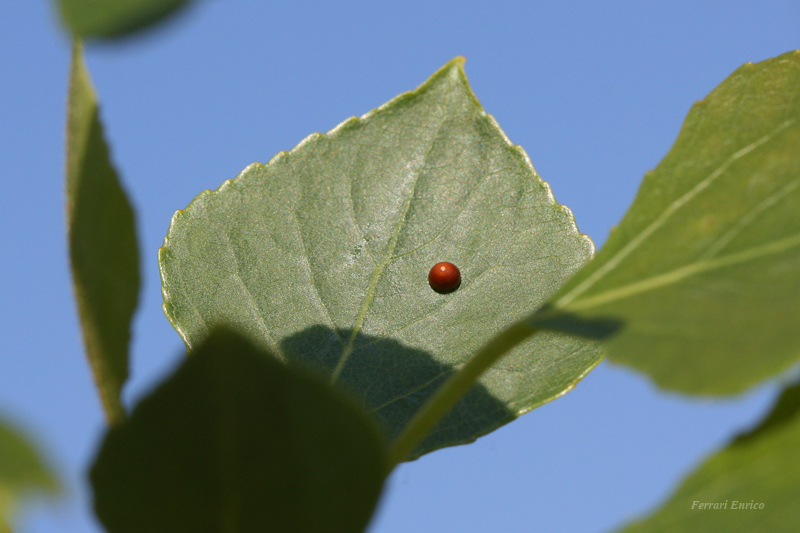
[{"x": 444, "y": 277}]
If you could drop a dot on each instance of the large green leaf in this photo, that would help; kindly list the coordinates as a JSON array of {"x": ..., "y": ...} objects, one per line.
[
  {"x": 102, "y": 242},
  {"x": 322, "y": 255},
  {"x": 704, "y": 270},
  {"x": 236, "y": 441},
  {"x": 22, "y": 471},
  {"x": 760, "y": 467},
  {"x": 114, "y": 18}
]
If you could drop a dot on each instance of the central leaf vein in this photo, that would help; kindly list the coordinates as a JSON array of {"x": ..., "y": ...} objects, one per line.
[{"x": 369, "y": 296}]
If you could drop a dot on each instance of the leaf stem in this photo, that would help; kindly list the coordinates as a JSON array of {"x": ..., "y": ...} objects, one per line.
[
  {"x": 110, "y": 395},
  {"x": 454, "y": 389}
]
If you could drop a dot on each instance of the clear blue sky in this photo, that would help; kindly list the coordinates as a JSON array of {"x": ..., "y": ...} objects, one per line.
[{"x": 594, "y": 91}]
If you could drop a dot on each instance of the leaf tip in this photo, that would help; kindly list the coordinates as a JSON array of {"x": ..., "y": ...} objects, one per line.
[
  {"x": 458, "y": 61},
  {"x": 453, "y": 70}
]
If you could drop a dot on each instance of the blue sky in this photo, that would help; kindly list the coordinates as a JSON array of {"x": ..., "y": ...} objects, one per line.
[{"x": 595, "y": 93}]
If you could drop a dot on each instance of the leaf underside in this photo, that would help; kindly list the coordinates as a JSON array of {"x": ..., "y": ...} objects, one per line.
[
  {"x": 322, "y": 256},
  {"x": 115, "y": 18},
  {"x": 102, "y": 242},
  {"x": 757, "y": 467},
  {"x": 704, "y": 270}
]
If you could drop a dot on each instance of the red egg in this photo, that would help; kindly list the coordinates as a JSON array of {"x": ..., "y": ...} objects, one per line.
[{"x": 444, "y": 277}]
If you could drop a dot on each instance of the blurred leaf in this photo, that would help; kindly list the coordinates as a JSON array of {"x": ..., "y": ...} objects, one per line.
[
  {"x": 762, "y": 467},
  {"x": 102, "y": 242},
  {"x": 114, "y": 18},
  {"x": 704, "y": 270},
  {"x": 236, "y": 441},
  {"x": 322, "y": 255},
  {"x": 22, "y": 471}
]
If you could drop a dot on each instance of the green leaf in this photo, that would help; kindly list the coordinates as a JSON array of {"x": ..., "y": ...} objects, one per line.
[
  {"x": 759, "y": 467},
  {"x": 704, "y": 270},
  {"x": 322, "y": 256},
  {"x": 114, "y": 18},
  {"x": 236, "y": 441},
  {"x": 22, "y": 471},
  {"x": 102, "y": 242}
]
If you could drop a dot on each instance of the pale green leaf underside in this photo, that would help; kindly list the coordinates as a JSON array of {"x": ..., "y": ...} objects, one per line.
[
  {"x": 759, "y": 467},
  {"x": 704, "y": 270},
  {"x": 114, "y": 18},
  {"x": 22, "y": 471},
  {"x": 323, "y": 253}
]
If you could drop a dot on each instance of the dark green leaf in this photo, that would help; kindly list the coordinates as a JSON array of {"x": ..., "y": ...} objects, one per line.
[
  {"x": 322, "y": 255},
  {"x": 22, "y": 471},
  {"x": 102, "y": 242},
  {"x": 236, "y": 441},
  {"x": 704, "y": 270},
  {"x": 759, "y": 467},
  {"x": 114, "y": 18}
]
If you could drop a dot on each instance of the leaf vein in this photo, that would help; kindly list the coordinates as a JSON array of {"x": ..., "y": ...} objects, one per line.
[
  {"x": 247, "y": 292},
  {"x": 679, "y": 274},
  {"x": 749, "y": 218},
  {"x": 634, "y": 243},
  {"x": 415, "y": 389},
  {"x": 369, "y": 296}
]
